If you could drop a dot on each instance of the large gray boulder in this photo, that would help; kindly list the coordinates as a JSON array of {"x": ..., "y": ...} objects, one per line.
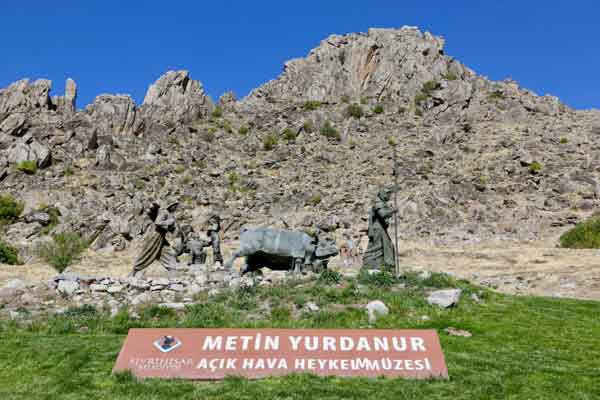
[
  {"x": 175, "y": 98},
  {"x": 444, "y": 298},
  {"x": 29, "y": 149},
  {"x": 66, "y": 104}
]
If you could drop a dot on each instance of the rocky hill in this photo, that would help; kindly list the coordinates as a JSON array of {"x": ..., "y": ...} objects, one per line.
[{"x": 477, "y": 159}]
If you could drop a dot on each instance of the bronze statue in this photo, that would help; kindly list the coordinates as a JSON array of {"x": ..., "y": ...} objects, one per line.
[
  {"x": 380, "y": 250},
  {"x": 164, "y": 243}
]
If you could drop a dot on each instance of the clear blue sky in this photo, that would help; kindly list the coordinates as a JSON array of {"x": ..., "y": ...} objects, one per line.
[{"x": 112, "y": 46}]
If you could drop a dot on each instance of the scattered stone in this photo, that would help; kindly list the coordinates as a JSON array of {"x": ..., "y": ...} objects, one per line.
[
  {"x": 98, "y": 288},
  {"x": 375, "y": 308},
  {"x": 68, "y": 288},
  {"x": 312, "y": 307},
  {"x": 457, "y": 332},
  {"x": 444, "y": 298}
]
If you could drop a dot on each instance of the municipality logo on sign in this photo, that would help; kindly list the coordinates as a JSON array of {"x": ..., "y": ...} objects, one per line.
[{"x": 167, "y": 344}]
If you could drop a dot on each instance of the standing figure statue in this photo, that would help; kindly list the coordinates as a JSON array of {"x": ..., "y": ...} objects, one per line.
[
  {"x": 164, "y": 243},
  {"x": 214, "y": 227},
  {"x": 380, "y": 250}
]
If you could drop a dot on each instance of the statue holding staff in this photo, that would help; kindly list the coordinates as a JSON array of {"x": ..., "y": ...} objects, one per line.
[{"x": 380, "y": 250}]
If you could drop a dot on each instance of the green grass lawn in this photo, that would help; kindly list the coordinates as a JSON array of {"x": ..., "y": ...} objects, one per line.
[{"x": 521, "y": 348}]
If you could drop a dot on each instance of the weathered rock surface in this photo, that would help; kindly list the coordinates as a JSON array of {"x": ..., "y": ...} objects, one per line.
[
  {"x": 444, "y": 298},
  {"x": 175, "y": 98},
  {"x": 477, "y": 160}
]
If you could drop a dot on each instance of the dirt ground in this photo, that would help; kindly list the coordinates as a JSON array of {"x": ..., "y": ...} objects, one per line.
[{"x": 538, "y": 268}]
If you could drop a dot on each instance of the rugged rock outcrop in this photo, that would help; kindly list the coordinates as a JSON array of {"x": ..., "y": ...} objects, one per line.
[
  {"x": 175, "y": 98},
  {"x": 477, "y": 159}
]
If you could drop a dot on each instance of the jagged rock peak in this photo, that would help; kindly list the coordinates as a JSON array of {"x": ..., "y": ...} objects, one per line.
[
  {"x": 23, "y": 96},
  {"x": 183, "y": 98}
]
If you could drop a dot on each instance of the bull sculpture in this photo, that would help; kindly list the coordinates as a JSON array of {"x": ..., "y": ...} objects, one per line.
[{"x": 281, "y": 249}]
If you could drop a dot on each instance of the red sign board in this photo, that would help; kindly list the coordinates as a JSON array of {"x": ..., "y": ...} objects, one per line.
[{"x": 257, "y": 353}]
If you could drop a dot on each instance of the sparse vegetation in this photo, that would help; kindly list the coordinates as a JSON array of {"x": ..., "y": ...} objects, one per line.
[
  {"x": 535, "y": 167},
  {"x": 450, "y": 76},
  {"x": 68, "y": 171},
  {"x": 217, "y": 112},
  {"x": 315, "y": 199},
  {"x": 378, "y": 109},
  {"x": 270, "y": 141},
  {"x": 8, "y": 254},
  {"x": 585, "y": 235},
  {"x": 308, "y": 126},
  {"x": 53, "y": 213},
  {"x": 311, "y": 105},
  {"x": 289, "y": 135},
  {"x": 329, "y": 131},
  {"x": 497, "y": 95},
  {"x": 380, "y": 279},
  {"x": 430, "y": 86},
  {"x": 232, "y": 179},
  {"x": 330, "y": 277},
  {"x": 345, "y": 99},
  {"x": 28, "y": 167},
  {"x": 243, "y": 130},
  {"x": 364, "y": 100},
  {"x": 354, "y": 111},
  {"x": 10, "y": 209},
  {"x": 63, "y": 250},
  {"x": 564, "y": 140},
  {"x": 179, "y": 168}
]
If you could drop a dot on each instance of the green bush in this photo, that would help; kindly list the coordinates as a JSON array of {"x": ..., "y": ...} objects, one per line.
[
  {"x": 243, "y": 130},
  {"x": 233, "y": 178},
  {"x": 308, "y": 126},
  {"x": 585, "y": 235},
  {"x": 270, "y": 141},
  {"x": 8, "y": 254},
  {"x": 329, "y": 131},
  {"x": 311, "y": 105},
  {"x": 364, "y": 100},
  {"x": 381, "y": 279},
  {"x": 330, "y": 277},
  {"x": 289, "y": 135},
  {"x": 29, "y": 167},
  {"x": 10, "y": 209},
  {"x": 450, "y": 76},
  {"x": 431, "y": 86},
  {"x": 564, "y": 140},
  {"x": 497, "y": 95},
  {"x": 535, "y": 167},
  {"x": 315, "y": 199},
  {"x": 378, "y": 109},
  {"x": 345, "y": 99},
  {"x": 217, "y": 112},
  {"x": 354, "y": 110},
  {"x": 64, "y": 249}
]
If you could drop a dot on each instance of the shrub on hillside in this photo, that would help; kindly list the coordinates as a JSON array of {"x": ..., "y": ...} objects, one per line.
[
  {"x": 8, "y": 254},
  {"x": 329, "y": 131},
  {"x": 355, "y": 111},
  {"x": 378, "y": 109},
  {"x": 270, "y": 141},
  {"x": 217, "y": 112},
  {"x": 289, "y": 135},
  {"x": 311, "y": 105},
  {"x": 243, "y": 130},
  {"x": 10, "y": 208},
  {"x": 64, "y": 249},
  {"x": 29, "y": 167},
  {"x": 585, "y": 235}
]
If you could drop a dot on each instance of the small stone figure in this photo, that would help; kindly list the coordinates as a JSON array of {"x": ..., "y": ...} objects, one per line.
[
  {"x": 214, "y": 227},
  {"x": 195, "y": 245},
  {"x": 156, "y": 244},
  {"x": 380, "y": 250}
]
